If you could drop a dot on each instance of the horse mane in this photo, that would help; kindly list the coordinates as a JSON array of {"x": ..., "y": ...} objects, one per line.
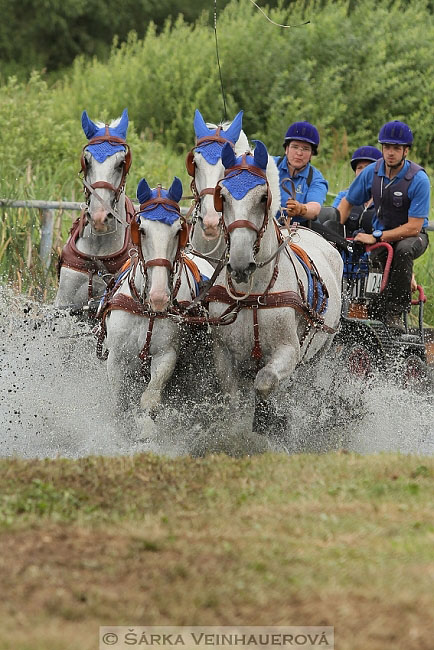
[
  {"x": 273, "y": 182},
  {"x": 112, "y": 124},
  {"x": 241, "y": 145}
]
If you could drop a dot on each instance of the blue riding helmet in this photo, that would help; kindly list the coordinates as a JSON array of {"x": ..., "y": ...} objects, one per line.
[
  {"x": 365, "y": 153},
  {"x": 396, "y": 133},
  {"x": 303, "y": 131}
]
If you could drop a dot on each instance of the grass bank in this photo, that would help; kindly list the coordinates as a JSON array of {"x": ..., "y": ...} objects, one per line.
[{"x": 337, "y": 539}]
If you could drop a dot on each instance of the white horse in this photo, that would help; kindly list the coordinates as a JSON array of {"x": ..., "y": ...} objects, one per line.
[
  {"x": 141, "y": 317},
  {"x": 206, "y": 168},
  {"x": 276, "y": 328},
  {"x": 99, "y": 241}
]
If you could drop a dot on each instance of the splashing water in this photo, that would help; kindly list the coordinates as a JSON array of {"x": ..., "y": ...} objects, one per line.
[{"x": 55, "y": 401}]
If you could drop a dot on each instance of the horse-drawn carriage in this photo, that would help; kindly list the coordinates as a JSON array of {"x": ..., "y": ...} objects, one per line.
[{"x": 273, "y": 297}]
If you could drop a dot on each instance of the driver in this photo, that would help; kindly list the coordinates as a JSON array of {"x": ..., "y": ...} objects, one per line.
[
  {"x": 401, "y": 192},
  {"x": 303, "y": 188}
]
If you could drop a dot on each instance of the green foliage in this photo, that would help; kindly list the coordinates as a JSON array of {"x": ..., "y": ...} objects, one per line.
[{"x": 86, "y": 27}]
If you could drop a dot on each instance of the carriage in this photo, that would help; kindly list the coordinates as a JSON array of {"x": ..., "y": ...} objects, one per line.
[{"x": 365, "y": 343}]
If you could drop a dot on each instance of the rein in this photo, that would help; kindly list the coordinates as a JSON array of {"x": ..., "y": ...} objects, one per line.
[{"x": 112, "y": 210}]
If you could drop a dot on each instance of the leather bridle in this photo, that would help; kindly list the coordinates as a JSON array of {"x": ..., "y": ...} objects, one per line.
[
  {"x": 90, "y": 188},
  {"x": 243, "y": 223},
  {"x": 191, "y": 166},
  {"x": 147, "y": 206}
]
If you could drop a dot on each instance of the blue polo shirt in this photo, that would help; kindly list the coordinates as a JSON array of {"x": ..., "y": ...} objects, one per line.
[
  {"x": 418, "y": 191},
  {"x": 342, "y": 194},
  {"x": 316, "y": 191}
]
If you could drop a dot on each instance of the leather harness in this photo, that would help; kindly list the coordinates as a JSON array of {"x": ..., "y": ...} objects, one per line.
[{"x": 105, "y": 265}]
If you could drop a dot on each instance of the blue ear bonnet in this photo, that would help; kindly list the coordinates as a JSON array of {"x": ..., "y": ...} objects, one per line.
[
  {"x": 242, "y": 181},
  {"x": 167, "y": 214},
  {"x": 212, "y": 151},
  {"x": 105, "y": 149}
]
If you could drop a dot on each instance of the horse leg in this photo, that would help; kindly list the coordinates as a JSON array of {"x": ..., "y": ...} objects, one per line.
[
  {"x": 118, "y": 368},
  {"x": 162, "y": 367},
  {"x": 226, "y": 372},
  {"x": 281, "y": 366},
  {"x": 72, "y": 291}
]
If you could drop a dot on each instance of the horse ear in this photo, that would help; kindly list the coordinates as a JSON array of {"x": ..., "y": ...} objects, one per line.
[
  {"x": 200, "y": 128},
  {"x": 143, "y": 191},
  {"x": 234, "y": 130},
  {"x": 228, "y": 156},
  {"x": 175, "y": 190},
  {"x": 122, "y": 127},
  {"x": 89, "y": 127},
  {"x": 260, "y": 155}
]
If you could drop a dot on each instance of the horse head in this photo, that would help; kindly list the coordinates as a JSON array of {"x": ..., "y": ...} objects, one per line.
[
  {"x": 160, "y": 233},
  {"x": 105, "y": 163},
  {"x": 244, "y": 196},
  {"x": 205, "y": 166}
]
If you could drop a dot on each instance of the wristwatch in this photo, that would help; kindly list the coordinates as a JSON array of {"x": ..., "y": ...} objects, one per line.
[{"x": 377, "y": 234}]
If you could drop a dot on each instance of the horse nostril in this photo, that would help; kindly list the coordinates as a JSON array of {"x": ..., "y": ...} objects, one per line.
[
  {"x": 229, "y": 268},
  {"x": 251, "y": 268}
]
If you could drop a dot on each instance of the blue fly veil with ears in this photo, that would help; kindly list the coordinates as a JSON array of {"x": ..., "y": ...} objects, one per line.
[
  {"x": 156, "y": 211},
  {"x": 239, "y": 182},
  {"x": 102, "y": 150},
  {"x": 212, "y": 150}
]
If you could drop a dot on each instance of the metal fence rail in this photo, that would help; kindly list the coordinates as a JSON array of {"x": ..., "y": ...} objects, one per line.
[{"x": 47, "y": 210}]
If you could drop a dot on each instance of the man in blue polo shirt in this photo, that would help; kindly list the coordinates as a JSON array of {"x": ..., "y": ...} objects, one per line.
[
  {"x": 401, "y": 194},
  {"x": 303, "y": 188}
]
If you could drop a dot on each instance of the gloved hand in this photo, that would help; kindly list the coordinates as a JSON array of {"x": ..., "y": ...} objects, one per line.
[{"x": 295, "y": 209}]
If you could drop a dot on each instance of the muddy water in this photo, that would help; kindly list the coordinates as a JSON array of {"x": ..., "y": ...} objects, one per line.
[{"x": 55, "y": 401}]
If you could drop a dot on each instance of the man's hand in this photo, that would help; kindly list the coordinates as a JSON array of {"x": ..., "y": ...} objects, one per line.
[
  {"x": 365, "y": 238},
  {"x": 295, "y": 209},
  {"x": 413, "y": 283}
]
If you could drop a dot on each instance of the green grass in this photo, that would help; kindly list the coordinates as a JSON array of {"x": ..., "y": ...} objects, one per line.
[{"x": 337, "y": 539}]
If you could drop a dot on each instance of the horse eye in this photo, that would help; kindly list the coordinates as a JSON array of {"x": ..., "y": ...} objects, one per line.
[{"x": 263, "y": 198}]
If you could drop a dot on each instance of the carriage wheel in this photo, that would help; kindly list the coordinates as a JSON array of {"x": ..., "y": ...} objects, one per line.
[
  {"x": 415, "y": 372},
  {"x": 359, "y": 360}
]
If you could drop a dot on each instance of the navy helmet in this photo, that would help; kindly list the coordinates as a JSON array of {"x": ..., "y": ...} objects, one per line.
[
  {"x": 305, "y": 132},
  {"x": 396, "y": 132},
  {"x": 365, "y": 153}
]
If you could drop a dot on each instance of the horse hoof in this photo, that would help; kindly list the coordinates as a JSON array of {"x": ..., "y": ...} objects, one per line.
[
  {"x": 265, "y": 383},
  {"x": 150, "y": 402}
]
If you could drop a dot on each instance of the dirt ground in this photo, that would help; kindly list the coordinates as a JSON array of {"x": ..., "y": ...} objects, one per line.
[{"x": 218, "y": 542}]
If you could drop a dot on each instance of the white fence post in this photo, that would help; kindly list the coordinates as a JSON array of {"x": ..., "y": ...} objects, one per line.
[{"x": 46, "y": 243}]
